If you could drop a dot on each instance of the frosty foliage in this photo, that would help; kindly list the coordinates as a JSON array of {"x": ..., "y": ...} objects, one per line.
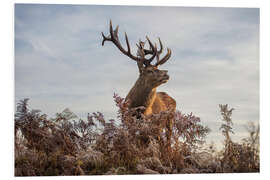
[{"x": 165, "y": 143}]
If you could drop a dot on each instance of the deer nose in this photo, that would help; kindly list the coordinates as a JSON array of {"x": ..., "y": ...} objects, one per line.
[{"x": 165, "y": 74}]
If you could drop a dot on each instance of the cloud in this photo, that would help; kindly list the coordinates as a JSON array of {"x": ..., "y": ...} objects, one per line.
[{"x": 59, "y": 60}]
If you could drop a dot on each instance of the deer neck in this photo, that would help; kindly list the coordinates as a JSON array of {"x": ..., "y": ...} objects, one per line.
[{"x": 141, "y": 94}]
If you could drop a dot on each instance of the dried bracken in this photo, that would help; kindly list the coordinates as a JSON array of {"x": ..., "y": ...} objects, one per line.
[
  {"x": 238, "y": 157},
  {"x": 136, "y": 144}
]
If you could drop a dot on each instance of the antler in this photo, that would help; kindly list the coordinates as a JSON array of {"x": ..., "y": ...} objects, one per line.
[{"x": 141, "y": 52}]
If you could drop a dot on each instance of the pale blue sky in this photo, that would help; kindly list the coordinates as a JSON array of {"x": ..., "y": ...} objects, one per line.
[{"x": 60, "y": 63}]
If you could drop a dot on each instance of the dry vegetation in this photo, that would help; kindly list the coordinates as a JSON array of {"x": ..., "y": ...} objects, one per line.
[{"x": 165, "y": 143}]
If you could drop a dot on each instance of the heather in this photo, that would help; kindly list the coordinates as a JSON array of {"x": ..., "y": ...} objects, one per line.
[{"x": 171, "y": 142}]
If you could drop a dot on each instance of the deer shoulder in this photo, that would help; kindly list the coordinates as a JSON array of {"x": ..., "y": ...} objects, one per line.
[{"x": 161, "y": 102}]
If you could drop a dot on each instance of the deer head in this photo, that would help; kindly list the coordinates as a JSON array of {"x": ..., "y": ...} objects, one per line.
[{"x": 150, "y": 73}]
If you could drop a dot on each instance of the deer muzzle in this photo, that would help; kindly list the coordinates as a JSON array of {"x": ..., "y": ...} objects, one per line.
[{"x": 165, "y": 76}]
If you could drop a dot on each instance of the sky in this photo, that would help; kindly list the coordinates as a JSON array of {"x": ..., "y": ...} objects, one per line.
[{"x": 60, "y": 63}]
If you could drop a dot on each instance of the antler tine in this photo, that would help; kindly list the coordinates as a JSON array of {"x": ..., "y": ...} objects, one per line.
[
  {"x": 104, "y": 39},
  {"x": 111, "y": 30},
  {"x": 165, "y": 58},
  {"x": 150, "y": 43},
  {"x": 161, "y": 46},
  {"x": 128, "y": 46},
  {"x": 115, "y": 32},
  {"x": 160, "y": 51}
]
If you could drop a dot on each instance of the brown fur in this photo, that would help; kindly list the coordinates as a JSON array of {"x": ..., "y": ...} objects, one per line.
[{"x": 143, "y": 93}]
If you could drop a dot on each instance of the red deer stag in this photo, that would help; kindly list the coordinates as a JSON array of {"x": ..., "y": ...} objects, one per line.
[{"x": 143, "y": 93}]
